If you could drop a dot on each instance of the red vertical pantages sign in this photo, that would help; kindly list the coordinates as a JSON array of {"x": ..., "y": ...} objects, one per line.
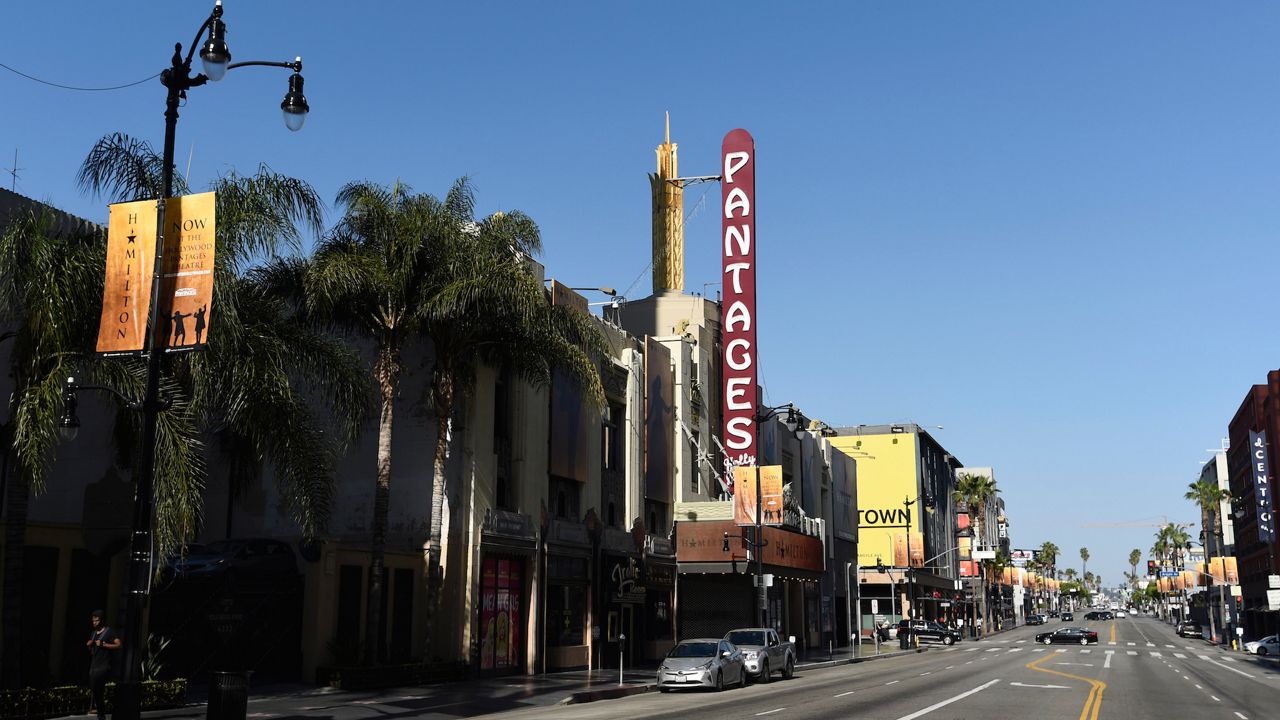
[{"x": 738, "y": 218}]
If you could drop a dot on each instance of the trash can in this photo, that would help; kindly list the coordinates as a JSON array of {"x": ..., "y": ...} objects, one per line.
[
  {"x": 228, "y": 696},
  {"x": 904, "y": 639}
]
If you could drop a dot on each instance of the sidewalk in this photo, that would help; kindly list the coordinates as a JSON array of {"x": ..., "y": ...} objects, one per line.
[{"x": 457, "y": 699}]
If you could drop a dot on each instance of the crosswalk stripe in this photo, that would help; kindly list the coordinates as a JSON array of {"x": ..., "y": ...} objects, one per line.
[
  {"x": 993, "y": 649},
  {"x": 1229, "y": 659},
  {"x": 1168, "y": 645},
  {"x": 1022, "y": 640},
  {"x": 1203, "y": 657},
  {"x": 1037, "y": 650},
  {"x": 1155, "y": 654},
  {"x": 1131, "y": 652},
  {"x": 974, "y": 649},
  {"x": 1015, "y": 649},
  {"x": 1111, "y": 642},
  {"x": 1085, "y": 652},
  {"x": 1130, "y": 644},
  {"x": 1180, "y": 656},
  {"x": 1151, "y": 644}
]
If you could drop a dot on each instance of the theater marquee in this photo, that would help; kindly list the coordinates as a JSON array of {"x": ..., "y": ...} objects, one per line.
[{"x": 738, "y": 227}]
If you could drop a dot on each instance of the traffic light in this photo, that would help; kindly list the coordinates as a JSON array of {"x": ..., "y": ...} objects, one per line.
[
  {"x": 726, "y": 542},
  {"x": 1151, "y": 568}
]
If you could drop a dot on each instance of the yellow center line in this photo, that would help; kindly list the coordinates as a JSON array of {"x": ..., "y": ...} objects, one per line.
[
  {"x": 1093, "y": 703},
  {"x": 1113, "y": 632}
]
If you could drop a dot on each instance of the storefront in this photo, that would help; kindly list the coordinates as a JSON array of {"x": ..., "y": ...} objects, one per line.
[
  {"x": 620, "y": 598},
  {"x": 568, "y": 596},
  {"x": 508, "y": 545},
  {"x": 659, "y": 577},
  {"x": 716, "y": 591}
]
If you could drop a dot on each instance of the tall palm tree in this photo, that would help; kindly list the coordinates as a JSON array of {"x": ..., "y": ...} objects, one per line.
[
  {"x": 50, "y": 279},
  {"x": 1084, "y": 561},
  {"x": 268, "y": 387},
  {"x": 975, "y": 491},
  {"x": 401, "y": 266},
  {"x": 1049, "y": 557},
  {"x": 1209, "y": 498},
  {"x": 1135, "y": 557}
]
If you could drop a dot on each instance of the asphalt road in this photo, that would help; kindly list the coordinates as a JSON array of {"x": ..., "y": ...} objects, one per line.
[{"x": 1138, "y": 670}]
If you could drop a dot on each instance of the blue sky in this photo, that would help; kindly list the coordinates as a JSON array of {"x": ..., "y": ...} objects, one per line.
[{"x": 1043, "y": 226}]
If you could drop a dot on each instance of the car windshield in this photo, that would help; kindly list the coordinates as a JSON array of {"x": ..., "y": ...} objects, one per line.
[
  {"x": 747, "y": 637},
  {"x": 693, "y": 649}
]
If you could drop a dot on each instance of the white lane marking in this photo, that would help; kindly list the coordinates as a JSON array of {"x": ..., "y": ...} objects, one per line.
[
  {"x": 1168, "y": 645},
  {"x": 930, "y": 672},
  {"x": 969, "y": 663},
  {"x": 1229, "y": 659},
  {"x": 1151, "y": 644},
  {"x": 770, "y": 712},
  {"x": 1015, "y": 650},
  {"x": 1241, "y": 715},
  {"x": 1180, "y": 656},
  {"x": 1155, "y": 654},
  {"x": 1188, "y": 647},
  {"x": 1080, "y": 664},
  {"x": 1227, "y": 667},
  {"x": 1038, "y": 650},
  {"x": 1059, "y": 650},
  {"x": 1111, "y": 642},
  {"x": 944, "y": 703},
  {"x": 1130, "y": 652},
  {"x": 948, "y": 667},
  {"x": 1085, "y": 652},
  {"x": 988, "y": 649},
  {"x": 893, "y": 682},
  {"x": 1130, "y": 644},
  {"x": 1059, "y": 687},
  {"x": 1199, "y": 688},
  {"x": 1107, "y": 664},
  {"x": 1203, "y": 657},
  {"x": 973, "y": 649},
  {"x": 1215, "y": 698},
  {"x": 1022, "y": 641},
  {"x": 1184, "y": 677},
  {"x": 845, "y": 693}
]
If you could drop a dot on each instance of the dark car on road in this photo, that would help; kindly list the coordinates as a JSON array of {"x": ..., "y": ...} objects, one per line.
[
  {"x": 1068, "y": 635},
  {"x": 1190, "y": 630},
  {"x": 1035, "y": 620},
  {"x": 1099, "y": 615},
  {"x": 930, "y": 630},
  {"x": 1067, "y": 617}
]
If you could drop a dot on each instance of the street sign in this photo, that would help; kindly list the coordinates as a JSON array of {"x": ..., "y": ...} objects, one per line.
[
  {"x": 984, "y": 555},
  {"x": 1273, "y": 581},
  {"x": 875, "y": 606},
  {"x": 765, "y": 580},
  {"x": 1273, "y": 599},
  {"x": 1169, "y": 573}
]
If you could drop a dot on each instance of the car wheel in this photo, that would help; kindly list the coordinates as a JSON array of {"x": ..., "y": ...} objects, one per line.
[
  {"x": 746, "y": 677},
  {"x": 789, "y": 671},
  {"x": 948, "y": 640},
  {"x": 1262, "y": 650},
  {"x": 1084, "y": 641},
  {"x": 764, "y": 671},
  {"x": 1047, "y": 641},
  {"x": 720, "y": 681}
]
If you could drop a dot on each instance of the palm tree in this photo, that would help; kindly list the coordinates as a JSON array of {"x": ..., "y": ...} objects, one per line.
[
  {"x": 975, "y": 491},
  {"x": 401, "y": 267},
  {"x": 1049, "y": 556},
  {"x": 1135, "y": 557},
  {"x": 268, "y": 387},
  {"x": 1209, "y": 498},
  {"x": 50, "y": 278},
  {"x": 1084, "y": 561}
]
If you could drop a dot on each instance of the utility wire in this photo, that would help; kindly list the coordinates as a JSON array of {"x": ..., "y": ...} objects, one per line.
[{"x": 73, "y": 87}]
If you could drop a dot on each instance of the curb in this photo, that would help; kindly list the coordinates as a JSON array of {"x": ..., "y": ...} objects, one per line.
[
  {"x": 865, "y": 658},
  {"x": 612, "y": 693}
]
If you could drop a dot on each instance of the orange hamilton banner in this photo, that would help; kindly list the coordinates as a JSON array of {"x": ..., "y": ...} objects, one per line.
[
  {"x": 186, "y": 285},
  {"x": 744, "y": 494}
]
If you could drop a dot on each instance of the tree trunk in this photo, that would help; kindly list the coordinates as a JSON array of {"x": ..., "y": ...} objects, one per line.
[
  {"x": 387, "y": 371},
  {"x": 442, "y": 391},
  {"x": 17, "y": 493}
]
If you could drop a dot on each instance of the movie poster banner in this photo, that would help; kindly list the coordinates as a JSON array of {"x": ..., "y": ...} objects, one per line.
[{"x": 186, "y": 280}]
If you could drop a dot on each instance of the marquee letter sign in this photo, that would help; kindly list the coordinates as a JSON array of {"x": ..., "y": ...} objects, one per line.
[
  {"x": 1262, "y": 486},
  {"x": 738, "y": 218}
]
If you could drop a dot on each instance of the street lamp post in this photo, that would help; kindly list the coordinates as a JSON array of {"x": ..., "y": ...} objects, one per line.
[
  {"x": 793, "y": 426},
  {"x": 177, "y": 79}
]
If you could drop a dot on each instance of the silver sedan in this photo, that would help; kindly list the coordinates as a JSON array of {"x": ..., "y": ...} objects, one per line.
[{"x": 702, "y": 663}]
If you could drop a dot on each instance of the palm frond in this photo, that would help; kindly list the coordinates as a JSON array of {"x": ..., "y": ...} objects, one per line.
[{"x": 124, "y": 168}]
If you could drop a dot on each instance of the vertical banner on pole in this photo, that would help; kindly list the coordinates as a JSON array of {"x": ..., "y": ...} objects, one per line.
[{"x": 738, "y": 229}]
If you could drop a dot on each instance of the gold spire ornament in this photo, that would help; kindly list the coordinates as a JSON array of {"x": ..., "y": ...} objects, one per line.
[{"x": 668, "y": 219}]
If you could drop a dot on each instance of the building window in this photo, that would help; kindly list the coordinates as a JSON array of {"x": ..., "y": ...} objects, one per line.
[
  {"x": 697, "y": 471},
  {"x": 611, "y": 438},
  {"x": 613, "y": 516}
]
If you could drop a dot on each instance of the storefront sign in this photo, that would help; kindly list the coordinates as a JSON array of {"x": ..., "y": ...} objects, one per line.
[
  {"x": 744, "y": 494},
  {"x": 1262, "y": 485},
  {"x": 703, "y": 541},
  {"x": 625, "y": 582},
  {"x": 738, "y": 229}
]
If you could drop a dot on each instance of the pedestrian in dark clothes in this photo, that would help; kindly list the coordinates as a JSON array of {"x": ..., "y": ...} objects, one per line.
[{"x": 103, "y": 645}]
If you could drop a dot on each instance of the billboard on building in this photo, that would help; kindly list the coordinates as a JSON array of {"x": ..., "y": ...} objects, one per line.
[
  {"x": 571, "y": 419},
  {"x": 738, "y": 327},
  {"x": 186, "y": 279},
  {"x": 659, "y": 422},
  {"x": 1260, "y": 465},
  {"x": 1020, "y": 558},
  {"x": 887, "y": 475}
]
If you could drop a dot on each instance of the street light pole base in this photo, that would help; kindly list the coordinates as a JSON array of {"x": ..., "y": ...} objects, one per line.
[{"x": 127, "y": 703}]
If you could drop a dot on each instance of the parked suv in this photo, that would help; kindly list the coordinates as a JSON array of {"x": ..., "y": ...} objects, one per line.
[
  {"x": 1190, "y": 629},
  {"x": 1099, "y": 615},
  {"x": 764, "y": 652},
  {"x": 929, "y": 630}
]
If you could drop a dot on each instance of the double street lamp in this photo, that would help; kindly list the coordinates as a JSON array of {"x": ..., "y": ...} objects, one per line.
[{"x": 177, "y": 79}]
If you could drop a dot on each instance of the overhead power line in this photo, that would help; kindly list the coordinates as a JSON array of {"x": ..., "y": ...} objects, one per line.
[{"x": 33, "y": 78}]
